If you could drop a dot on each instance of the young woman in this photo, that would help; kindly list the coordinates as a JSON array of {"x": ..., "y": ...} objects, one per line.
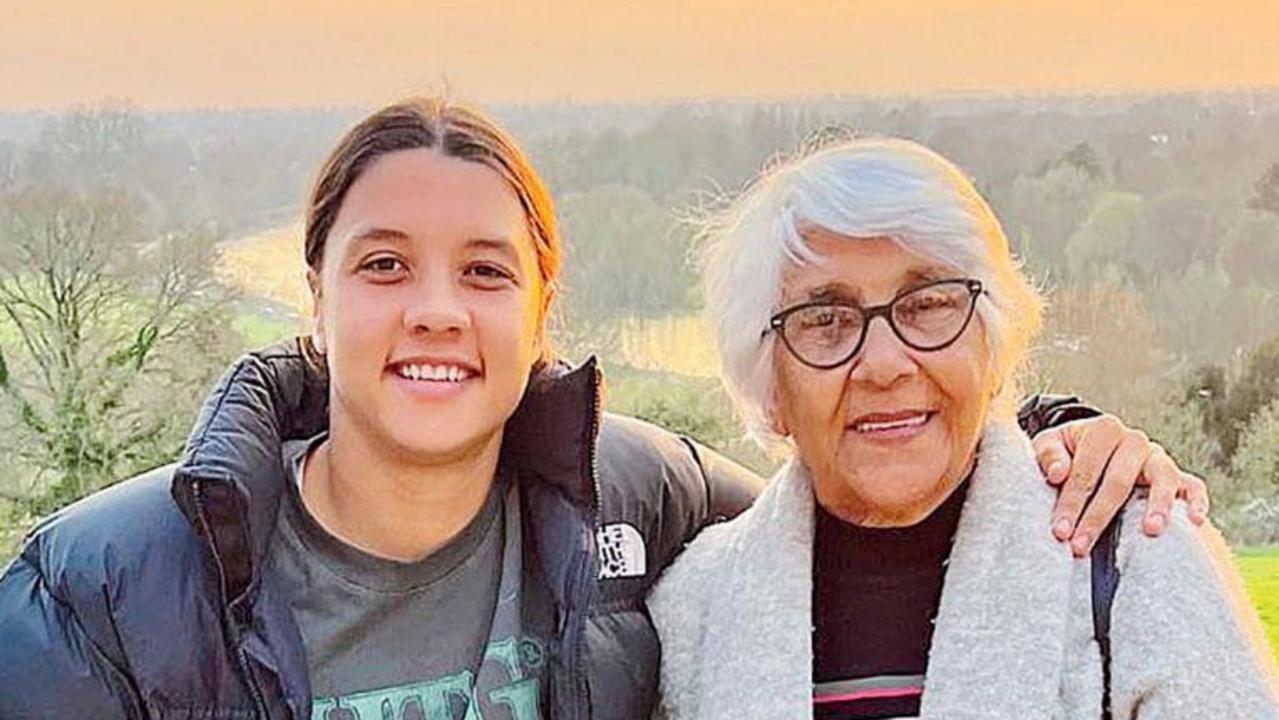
[{"x": 417, "y": 512}]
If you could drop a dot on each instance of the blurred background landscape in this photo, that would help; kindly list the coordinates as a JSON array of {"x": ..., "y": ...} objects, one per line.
[{"x": 145, "y": 244}]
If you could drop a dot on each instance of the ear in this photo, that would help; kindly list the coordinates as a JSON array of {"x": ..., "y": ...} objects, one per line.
[{"x": 317, "y": 312}]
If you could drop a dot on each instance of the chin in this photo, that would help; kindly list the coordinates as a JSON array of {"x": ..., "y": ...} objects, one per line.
[
  {"x": 435, "y": 439},
  {"x": 436, "y": 449}
]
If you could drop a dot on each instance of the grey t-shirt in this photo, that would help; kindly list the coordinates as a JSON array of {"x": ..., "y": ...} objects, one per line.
[{"x": 460, "y": 634}]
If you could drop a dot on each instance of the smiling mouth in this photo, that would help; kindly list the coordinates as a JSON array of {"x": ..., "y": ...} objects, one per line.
[
  {"x": 423, "y": 372},
  {"x": 884, "y": 423}
]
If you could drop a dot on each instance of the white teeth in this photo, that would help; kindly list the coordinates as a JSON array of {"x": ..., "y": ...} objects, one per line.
[
  {"x": 437, "y": 373},
  {"x": 914, "y": 421}
]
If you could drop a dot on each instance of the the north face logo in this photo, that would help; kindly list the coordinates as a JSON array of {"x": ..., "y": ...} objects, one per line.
[{"x": 622, "y": 551}]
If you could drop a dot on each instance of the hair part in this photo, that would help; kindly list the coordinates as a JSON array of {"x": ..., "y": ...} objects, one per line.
[
  {"x": 453, "y": 130},
  {"x": 859, "y": 189}
]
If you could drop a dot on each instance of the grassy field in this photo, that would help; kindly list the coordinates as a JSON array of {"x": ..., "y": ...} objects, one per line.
[
  {"x": 268, "y": 265},
  {"x": 1260, "y": 570}
]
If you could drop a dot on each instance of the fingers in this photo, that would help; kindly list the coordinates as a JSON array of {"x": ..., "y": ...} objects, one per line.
[
  {"x": 1116, "y": 485},
  {"x": 1164, "y": 479},
  {"x": 1095, "y": 441},
  {"x": 1052, "y": 449},
  {"x": 1195, "y": 491}
]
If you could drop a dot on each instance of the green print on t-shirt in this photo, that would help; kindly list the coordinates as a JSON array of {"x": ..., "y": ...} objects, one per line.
[{"x": 510, "y": 673}]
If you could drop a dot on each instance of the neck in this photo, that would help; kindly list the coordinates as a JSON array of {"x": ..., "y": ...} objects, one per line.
[
  {"x": 392, "y": 505},
  {"x": 854, "y": 510}
]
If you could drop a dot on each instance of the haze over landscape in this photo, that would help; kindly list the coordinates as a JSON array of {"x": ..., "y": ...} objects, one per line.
[{"x": 247, "y": 53}]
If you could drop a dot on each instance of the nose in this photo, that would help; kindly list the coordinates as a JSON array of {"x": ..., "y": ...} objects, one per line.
[
  {"x": 435, "y": 307},
  {"x": 883, "y": 359}
]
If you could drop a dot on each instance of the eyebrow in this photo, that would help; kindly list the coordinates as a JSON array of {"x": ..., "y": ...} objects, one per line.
[
  {"x": 832, "y": 291},
  {"x": 378, "y": 233},
  {"x": 501, "y": 245},
  {"x": 841, "y": 291},
  {"x": 932, "y": 273}
]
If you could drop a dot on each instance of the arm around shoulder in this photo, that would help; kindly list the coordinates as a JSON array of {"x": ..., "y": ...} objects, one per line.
[{"x": 1186, "y": 641}]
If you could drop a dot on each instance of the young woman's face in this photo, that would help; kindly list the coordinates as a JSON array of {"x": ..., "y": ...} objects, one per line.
[{"x": 428, "y": 306}]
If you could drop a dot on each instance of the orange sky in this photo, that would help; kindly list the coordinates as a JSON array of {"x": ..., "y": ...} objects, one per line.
[{"x": 203, "y": 53}]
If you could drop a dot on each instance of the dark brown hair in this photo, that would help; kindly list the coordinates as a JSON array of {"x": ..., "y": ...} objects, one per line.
[{"x": 453, "y": 130}]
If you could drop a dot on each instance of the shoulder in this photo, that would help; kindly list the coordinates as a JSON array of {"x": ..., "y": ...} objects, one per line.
[
  {"x": 111, "y": 540},
  {"x": 101, "y": 576},
  {"x": 641, "y": 458},
  {"x": 1178, "y": 560},
  {"x": 1181, "y": 610},
  {"x": 687, "y": 577},
  {"x": 1186, "y": 567},
  {"x": 637, "y": 463},
  {"x": 714, "y": 555},
  {"x": 649, "y": 480},
  {"x": 631, "y": 445},
  {"x": 679, "y": 602},
  {"x": 665, "y": 485}
]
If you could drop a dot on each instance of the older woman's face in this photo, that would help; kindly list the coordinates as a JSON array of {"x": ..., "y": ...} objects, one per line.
[{"x": 890, "y": 434}]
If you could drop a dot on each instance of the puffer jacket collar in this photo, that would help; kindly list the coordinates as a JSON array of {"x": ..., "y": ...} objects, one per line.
[{"x": 229, "y": 481}]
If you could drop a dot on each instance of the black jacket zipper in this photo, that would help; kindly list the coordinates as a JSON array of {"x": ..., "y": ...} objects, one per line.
[
  {"x": 232, "y": 624},
  {"x": 580, "y": 590}
]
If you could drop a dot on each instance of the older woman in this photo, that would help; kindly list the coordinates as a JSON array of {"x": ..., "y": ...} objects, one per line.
[{"x": 872, "y": 319}]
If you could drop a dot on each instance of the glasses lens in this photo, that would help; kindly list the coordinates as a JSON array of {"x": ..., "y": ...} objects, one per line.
[
  {"x": 823, "y": 334},
  {"x": 932, "y": 316}
]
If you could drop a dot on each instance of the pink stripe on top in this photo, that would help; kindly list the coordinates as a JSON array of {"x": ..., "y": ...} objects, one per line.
[{"x": 870, "y": 694}]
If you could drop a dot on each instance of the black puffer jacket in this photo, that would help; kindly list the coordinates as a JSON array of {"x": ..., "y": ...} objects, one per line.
[
  {"x": 131, "y": 605},
  {"x": 128, "y": 604}
]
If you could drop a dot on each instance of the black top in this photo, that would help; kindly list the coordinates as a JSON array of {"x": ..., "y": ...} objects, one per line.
[{"x": 875, "y": 594}]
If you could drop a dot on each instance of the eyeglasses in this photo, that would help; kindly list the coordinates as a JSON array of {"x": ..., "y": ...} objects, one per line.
[{"x": 825, "y": 335}]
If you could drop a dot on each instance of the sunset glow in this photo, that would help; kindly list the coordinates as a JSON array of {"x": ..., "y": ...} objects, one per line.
[{"x": 251, "y": 53}]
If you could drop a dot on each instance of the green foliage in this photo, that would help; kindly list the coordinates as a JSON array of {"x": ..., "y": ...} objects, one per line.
[
  {"x": 135, "y": 353},
  {"x": 626, "y": 255},
  {"x": 1089, "y": 341},
  {"x": 92, "y": 309},
  {"x": 1248, "y": 494},
  {"x": 1180, "y": 424},
  {"x": 1265, "y": 194},
  {"x": 1047, "y": 207},
  {"x": 1257, "y": 387},
  {"x": 259, "y": 329},
  {"x": 1082, "y": 158},
  {"x": 697, "y": 407},
  {"x": 1189, "y": 308},
  {"x": 1250, "y": 252},
  {"x": 1108, "y": 235}
]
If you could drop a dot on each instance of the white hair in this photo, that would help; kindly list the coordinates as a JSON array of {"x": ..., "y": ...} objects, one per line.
[{"x": 866, "y": 188}]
